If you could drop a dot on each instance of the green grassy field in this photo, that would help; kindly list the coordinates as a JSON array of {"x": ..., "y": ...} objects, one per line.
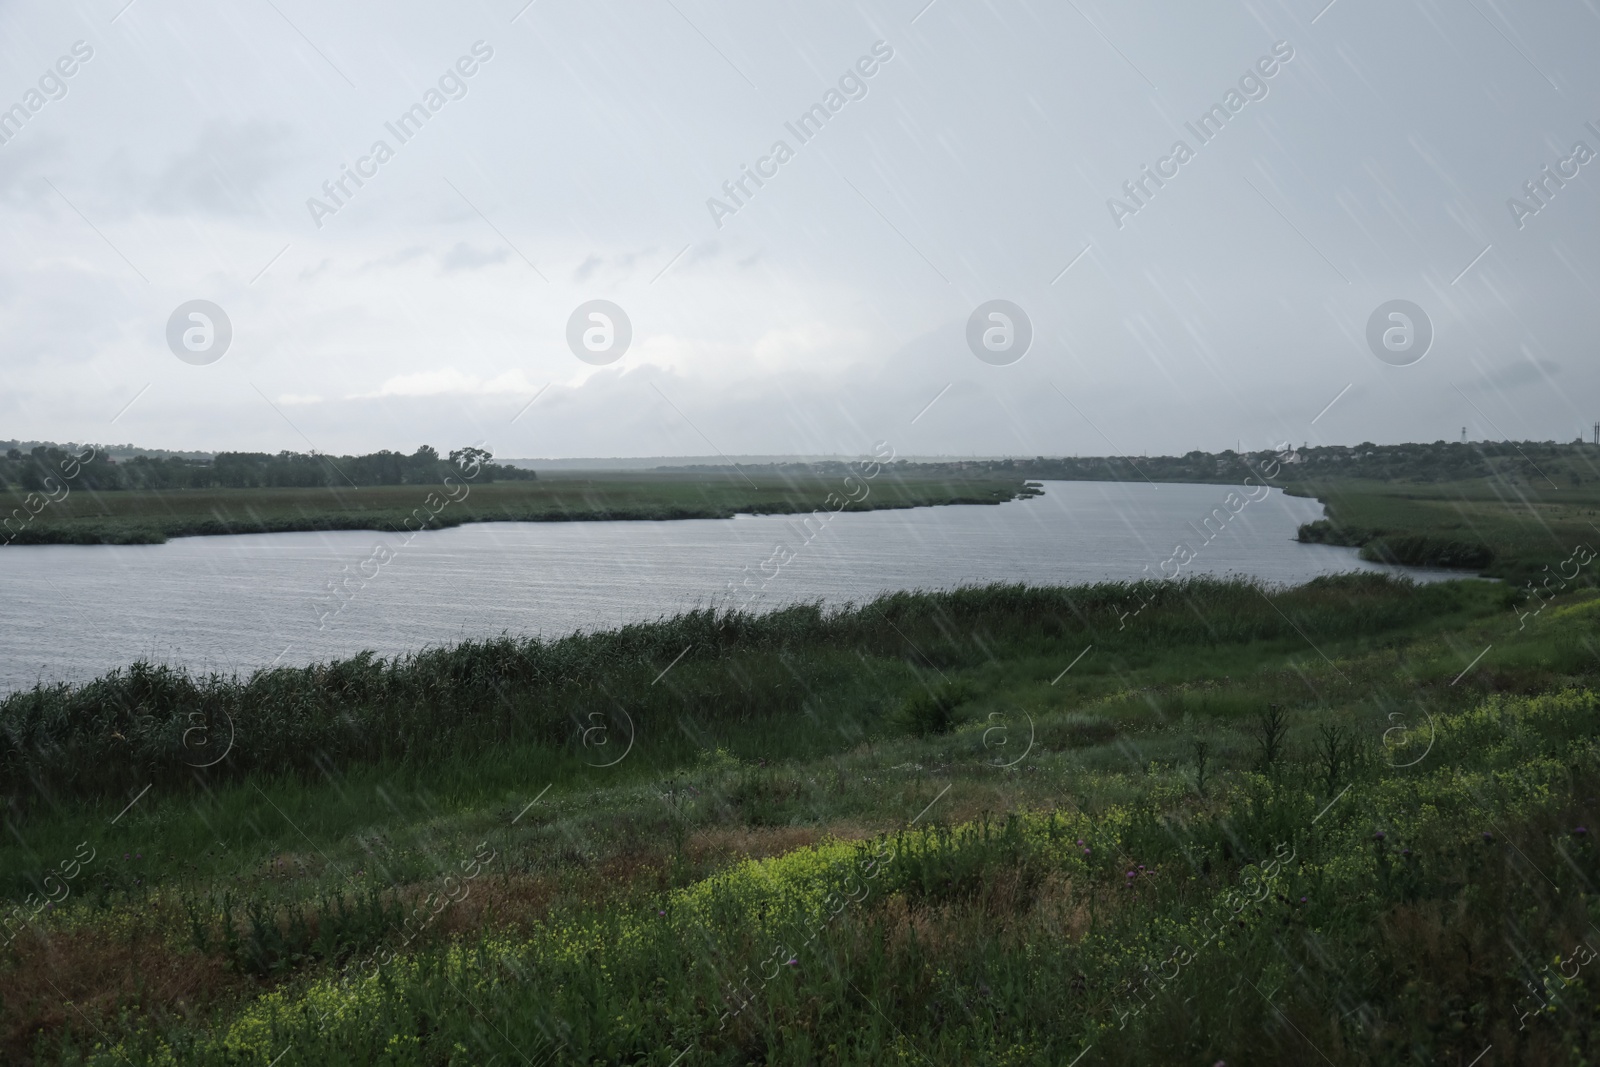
[
  {"x": 152, "y": 516},
  {"x": 984, "y": 826},
  {"x": 1511, "y": 530}
]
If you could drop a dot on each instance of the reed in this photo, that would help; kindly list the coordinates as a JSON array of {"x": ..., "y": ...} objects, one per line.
[{"x": 145, "y": 724}]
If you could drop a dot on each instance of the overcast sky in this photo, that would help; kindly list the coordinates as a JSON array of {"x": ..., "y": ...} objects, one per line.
[{"x": 826, "y": 309}]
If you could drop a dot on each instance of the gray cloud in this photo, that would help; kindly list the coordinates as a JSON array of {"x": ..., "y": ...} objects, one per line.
[
  {"x": 1521, "y": 373},
  {"x": 226, "y": 170},
  {"x": 465, "y": 257},
  {"x": 830, "y": 308}
]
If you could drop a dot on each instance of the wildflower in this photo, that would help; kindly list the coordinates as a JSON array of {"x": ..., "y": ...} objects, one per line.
[
  {"x": 1378, "y": 836},
  {"x": 1487, "y": 836},
  {"x": 1405, "y": 852},
  {"x": 1580, "y": 831},
  {"x": 1080, "y": 842},
  {"x": 124, "y": 855},
  {"x": 1302, "y": 900},
  {"x": 1130, "y": 874}
]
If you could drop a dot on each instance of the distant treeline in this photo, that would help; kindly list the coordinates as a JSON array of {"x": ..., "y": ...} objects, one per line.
[
  {"x": 40, "y": 468},
  {"x": 1566, "y": 465},
  {"x": 1442, "y": 461},
  {"x": 116, "y": 452}
]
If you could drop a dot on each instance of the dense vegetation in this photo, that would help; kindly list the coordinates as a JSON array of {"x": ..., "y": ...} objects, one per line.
[
  {"x": 1344, "y": 823},
  {"x": 46, "y": 467},
  {"x": 151, "y": 516},
  {"x": 117, "y": 452},
  {"x": 128, "y": 728},
  {"x": 1572, "y": 464},
  {"x": 1518, "y": 530}
]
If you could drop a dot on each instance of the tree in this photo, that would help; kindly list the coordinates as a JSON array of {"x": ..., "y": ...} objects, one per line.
[{"x": 469, "y": 459}]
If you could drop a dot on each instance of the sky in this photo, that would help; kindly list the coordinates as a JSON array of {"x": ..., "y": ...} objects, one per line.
[{"x": 193, "y": 152}]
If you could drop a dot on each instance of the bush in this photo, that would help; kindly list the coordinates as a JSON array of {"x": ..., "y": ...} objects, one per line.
[
  {"x": 932, "y": 711},
  {"x": 1420, "y": 550}
]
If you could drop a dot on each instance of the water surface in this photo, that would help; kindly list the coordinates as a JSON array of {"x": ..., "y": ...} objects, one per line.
[{"x": 70, "y": 612}]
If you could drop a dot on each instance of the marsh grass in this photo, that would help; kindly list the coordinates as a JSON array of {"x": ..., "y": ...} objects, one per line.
[
  {"x": 1512, "y": 528},
  {"x": 112, "y": 736},
  {"x": 149, "y": 516}
]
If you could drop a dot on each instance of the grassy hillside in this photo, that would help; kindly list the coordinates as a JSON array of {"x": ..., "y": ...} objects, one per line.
[
  {"x": 1343, "y": 823},
  {"x": 152, "y": 516}
]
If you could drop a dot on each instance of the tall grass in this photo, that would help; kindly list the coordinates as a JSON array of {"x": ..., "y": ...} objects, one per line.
[{"x": 154, "y": 724}]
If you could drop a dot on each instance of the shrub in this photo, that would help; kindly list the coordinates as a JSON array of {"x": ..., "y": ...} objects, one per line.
[{"x": 932, "y": 711}]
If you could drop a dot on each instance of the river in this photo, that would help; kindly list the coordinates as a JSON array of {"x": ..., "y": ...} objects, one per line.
[{"x": 233, "y": 604}]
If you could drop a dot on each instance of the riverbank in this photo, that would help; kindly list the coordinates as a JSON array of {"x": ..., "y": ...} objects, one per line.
[{"x": 153, "y": 516}]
